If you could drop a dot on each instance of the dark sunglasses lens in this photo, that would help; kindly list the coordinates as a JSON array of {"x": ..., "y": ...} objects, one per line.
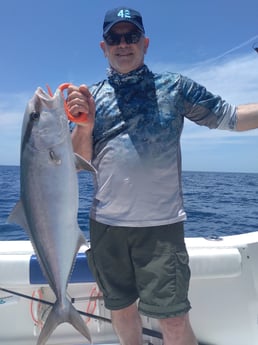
[
  {"x": 112, "y": 39},
  {"x": 132, "y": 37},
  {"x": 115, "y": 39}
]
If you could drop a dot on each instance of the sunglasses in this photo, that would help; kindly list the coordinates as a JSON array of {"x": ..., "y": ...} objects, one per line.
[{"x": 113, "y": 39}]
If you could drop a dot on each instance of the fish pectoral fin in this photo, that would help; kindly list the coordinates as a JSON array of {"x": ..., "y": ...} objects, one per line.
[
  {"x": 60, "y": 314},
  {"x": 83, "y": 164},
  {"x": 18, "y": 216}
]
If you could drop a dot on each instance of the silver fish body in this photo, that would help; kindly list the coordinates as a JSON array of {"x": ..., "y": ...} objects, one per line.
[{"x": 48, "y": 206}]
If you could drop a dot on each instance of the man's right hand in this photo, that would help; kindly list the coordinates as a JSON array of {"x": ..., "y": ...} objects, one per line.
[{"x": 79, "y": 100}]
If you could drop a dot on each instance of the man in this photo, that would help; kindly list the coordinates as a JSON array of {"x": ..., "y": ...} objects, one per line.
[{"x": 132, "y": 136}]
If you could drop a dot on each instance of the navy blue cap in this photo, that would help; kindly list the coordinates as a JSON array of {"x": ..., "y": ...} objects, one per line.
[{"x": 122, "y": 14}]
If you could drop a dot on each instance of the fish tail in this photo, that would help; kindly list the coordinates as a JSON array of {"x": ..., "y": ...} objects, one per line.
[
  {"x": 76, "y": 320},
  {"x": 60, "y": 314}
]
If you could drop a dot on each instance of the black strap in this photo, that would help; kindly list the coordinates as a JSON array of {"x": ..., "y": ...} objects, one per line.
[{"x": 145, "y": 331}]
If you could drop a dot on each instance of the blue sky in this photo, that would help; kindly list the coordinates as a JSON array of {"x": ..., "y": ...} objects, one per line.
[{"x": 56, "y": 41}]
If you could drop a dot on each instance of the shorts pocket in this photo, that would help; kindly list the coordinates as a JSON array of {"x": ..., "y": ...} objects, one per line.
[{"x": 182, "y": 275}]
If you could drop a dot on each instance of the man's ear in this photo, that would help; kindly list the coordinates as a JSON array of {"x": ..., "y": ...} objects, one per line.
[
  {"x": 103, "y": 47},
  {"x": 146, "y": 44}
]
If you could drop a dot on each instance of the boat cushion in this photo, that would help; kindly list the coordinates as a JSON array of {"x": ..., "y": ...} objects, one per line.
[{"x": 81, "y": 272}]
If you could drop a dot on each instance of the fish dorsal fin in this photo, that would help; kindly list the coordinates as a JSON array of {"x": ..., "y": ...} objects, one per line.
[
  {"x": 18, "y": 217},
  {"x": 83, "y": 164}
]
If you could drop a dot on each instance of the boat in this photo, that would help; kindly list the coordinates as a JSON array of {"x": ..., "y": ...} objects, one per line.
[{"x": 223, "y": 293}]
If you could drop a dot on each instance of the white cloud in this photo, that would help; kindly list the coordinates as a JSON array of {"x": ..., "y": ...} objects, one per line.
[{"x": 236, "y": 80}]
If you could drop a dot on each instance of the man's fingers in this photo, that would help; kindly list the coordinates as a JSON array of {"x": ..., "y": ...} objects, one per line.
[{"x": 80, "y": 100}]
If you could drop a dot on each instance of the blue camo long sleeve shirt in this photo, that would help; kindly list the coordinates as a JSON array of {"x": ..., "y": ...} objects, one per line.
[{"x": 136, "y": 150}]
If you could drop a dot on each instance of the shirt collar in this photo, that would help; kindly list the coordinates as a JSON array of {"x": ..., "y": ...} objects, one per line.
[{"x": 117, "y": 79}]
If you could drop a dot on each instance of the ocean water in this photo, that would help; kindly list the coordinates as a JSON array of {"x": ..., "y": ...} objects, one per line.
[{"x": 217, "y": 204}]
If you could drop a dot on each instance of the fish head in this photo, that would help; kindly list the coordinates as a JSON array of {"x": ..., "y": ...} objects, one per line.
[{"x": 45, "y": 122}]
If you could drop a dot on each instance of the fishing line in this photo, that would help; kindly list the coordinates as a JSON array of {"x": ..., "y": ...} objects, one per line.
[{"x": 145, "y": 331}]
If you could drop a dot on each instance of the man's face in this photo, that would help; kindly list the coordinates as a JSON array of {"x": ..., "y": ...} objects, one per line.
[{"x": 125, "y": 57}]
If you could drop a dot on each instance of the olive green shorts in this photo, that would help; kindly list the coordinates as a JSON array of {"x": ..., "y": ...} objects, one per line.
[{"x": 145, "y": 263}]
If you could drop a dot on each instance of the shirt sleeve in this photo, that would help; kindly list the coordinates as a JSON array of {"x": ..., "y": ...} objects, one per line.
[{"x": 205, "y": 108}]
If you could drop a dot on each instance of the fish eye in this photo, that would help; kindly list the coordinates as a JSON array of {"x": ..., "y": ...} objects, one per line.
[{"x": 34, "y": 116}]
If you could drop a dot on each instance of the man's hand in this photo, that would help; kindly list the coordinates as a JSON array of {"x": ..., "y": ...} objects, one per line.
[{"x": 79, "y": 100}]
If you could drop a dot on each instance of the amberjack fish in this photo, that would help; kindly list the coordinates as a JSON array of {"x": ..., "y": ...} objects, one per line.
[{"x": 48, "y": 204}]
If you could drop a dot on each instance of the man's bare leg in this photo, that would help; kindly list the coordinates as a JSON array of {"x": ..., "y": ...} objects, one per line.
[
  {"x": 128, "y": 325},
  {"x": 177, "y": 331}
]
